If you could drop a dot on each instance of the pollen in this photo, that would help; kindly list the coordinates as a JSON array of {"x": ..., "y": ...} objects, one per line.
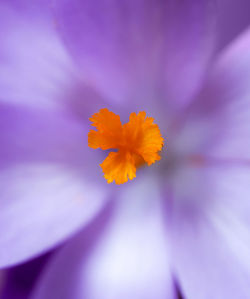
[{"x": 135, "y": 143}]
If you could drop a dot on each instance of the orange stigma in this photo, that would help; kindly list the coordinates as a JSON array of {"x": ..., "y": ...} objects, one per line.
[{"x": 137, "y": 142}]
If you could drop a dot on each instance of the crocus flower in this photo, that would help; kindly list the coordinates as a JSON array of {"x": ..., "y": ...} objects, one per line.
[{"x": 182, "y": 221}]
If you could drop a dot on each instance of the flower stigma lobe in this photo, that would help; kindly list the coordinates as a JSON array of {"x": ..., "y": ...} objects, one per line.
[{"x": 137, "y": 142}]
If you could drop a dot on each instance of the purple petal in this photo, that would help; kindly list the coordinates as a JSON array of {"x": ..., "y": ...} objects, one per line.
[
  {"x": 211, "y": 227},
  {"x": 233, "y": 19},
  {"x": 217, "y": 125},
  {"x": 48, "y": 181},
  {"x": 229, "y": 89},
  {"x": 34, "y": 65},
  {"x": 130, "y": 259},
  {"x": 49, "y": 184},
  {"x": 133, "y": 50},
  {"x": 222, "y": 110},
  {"x": 211, "y": 245}
]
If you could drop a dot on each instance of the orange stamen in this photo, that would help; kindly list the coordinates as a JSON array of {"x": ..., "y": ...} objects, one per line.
[{"x": 138, "y": 142}]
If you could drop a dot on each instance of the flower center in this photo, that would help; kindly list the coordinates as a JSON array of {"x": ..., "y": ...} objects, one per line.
[{"x": 138, "y": 142}]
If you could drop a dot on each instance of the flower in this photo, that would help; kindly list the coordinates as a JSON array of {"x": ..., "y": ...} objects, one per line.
[{"x": 184, "y": 220}]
